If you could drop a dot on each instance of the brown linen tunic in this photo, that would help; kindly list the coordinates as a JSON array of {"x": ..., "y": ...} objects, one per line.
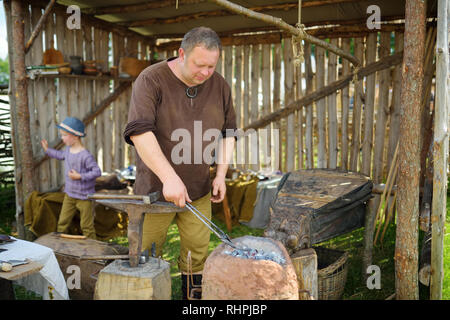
[{"x": 159, "y": 103}]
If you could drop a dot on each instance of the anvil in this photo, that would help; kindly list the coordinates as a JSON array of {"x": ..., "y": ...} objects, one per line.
[{"x": 135, "y": 206}]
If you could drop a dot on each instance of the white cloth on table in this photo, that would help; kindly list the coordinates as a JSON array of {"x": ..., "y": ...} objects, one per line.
[{"x": 49, "y": 282}]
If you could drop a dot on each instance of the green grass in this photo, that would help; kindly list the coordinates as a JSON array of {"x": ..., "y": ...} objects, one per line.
[{"x": 382, "y": 256}]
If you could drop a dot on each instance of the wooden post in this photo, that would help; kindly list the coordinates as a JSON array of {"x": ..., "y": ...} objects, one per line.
[
  {"x": 246, "y": 102},
  {"x": 406, "y": 245},
  {"x": 440, "y": 150},
  {"x": 382, "y": 111},
  {"x": 50, "y": 103},
  {"x": 40, "y": 99},
  {"x": 332, "y": 111},
  {"x": 255, "y": 73},
  {"x": 35, "y": 137},
  {"x": 276, "y": 152},
  {"x": 118, "y": 48},
  {"x": 357, "y": 106},
  {"x": 265, "y": 139},
  {"x": 300, "y": 117},
  {"x": 107, "y": 120},
  {"x": 320, "y": 110},
  {"x": 238, "y": 104},
  {"x": 288, "y": 99},
  {"x": 305, "y": 265},
  {"x": 19, "y": 110},
  {"x": 369, "y": 227},
  {"x": 394, "y": 123},
  {"x": 345, "y": 101},
  {"x": 371, "y": 53},
  {"x": 14, "y": 134},
  {"x": 309, "y": 108},
  {"x": 89, "y": 51}
]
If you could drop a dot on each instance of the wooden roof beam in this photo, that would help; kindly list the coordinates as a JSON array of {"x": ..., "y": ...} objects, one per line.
[
  {"x": 138, "y": 7},
  {"x": 275, "y": 28},
  {"x": 275, "y": 37},
  {"x": 95, "y": 22},
  {"x": 297, "y": 32},
  {"x": 203, "y": 15}
]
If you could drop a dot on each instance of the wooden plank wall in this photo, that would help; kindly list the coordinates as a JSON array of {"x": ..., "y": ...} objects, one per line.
[
  {"x": 355, "y": 128},
  {"x": 52, "y": 100}
]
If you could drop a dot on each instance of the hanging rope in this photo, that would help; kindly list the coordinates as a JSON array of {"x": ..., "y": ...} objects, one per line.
[{"x": 297, "y": 44}]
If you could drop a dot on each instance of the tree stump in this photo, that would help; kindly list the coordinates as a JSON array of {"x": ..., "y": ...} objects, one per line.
[{"x": 149, "y": 281}]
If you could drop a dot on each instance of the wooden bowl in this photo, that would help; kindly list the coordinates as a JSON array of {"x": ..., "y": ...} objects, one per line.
[
  {"x": 64, "y": 70},
  {"x": 91, "y": 72}
]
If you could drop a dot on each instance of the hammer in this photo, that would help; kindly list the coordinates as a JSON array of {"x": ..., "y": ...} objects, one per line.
[{"x": 147, "y": 199}]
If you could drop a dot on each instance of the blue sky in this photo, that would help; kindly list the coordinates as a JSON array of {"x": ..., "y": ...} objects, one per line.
[{"x": 3, "y": 41}]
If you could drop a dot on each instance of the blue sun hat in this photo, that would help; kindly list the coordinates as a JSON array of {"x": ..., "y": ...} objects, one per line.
[{"x": 72, "y": 125}]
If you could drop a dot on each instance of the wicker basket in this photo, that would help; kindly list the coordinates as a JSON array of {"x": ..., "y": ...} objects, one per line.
[{"x": 332, "y": 272}]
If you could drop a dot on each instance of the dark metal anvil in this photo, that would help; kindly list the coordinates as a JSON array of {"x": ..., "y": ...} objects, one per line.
[{"x": 135, "y": 206}]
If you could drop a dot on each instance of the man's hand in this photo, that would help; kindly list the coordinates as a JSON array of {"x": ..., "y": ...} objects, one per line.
[
  {"x": 175, "y": 191},
  {"x": 218, "y": 189},
  {"x": 44, "y": 144},
  {"x": 74, "y": 175}
]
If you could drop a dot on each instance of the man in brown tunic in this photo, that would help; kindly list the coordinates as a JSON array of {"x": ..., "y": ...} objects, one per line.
[{"x": 179, "y": 108}]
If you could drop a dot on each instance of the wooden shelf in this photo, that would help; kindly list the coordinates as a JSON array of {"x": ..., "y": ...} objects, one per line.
[
  {"x": 21, "y": 271},
  {"x": 81, "y": 76}
]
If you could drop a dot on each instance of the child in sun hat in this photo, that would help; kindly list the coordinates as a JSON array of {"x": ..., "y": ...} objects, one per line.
[{"x": 80, "y": 173}]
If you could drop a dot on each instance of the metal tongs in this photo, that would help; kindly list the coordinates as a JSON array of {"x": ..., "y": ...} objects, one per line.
[{"x": 217, "y": 231}]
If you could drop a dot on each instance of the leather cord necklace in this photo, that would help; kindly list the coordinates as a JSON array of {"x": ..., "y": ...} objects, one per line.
[{"x": 191, "y": 92}]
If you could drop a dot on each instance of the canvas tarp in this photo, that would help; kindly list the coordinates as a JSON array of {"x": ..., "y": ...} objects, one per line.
[{"x": 42, "y": 213}]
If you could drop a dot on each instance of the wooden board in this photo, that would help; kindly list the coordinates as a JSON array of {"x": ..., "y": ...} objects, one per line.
[{"x": 21, "y": 271}]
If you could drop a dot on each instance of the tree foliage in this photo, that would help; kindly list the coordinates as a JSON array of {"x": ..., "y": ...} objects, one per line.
[{"x": 4, "y": 71}]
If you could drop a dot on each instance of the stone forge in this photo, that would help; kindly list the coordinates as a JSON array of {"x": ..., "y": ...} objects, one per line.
[{"x": 228, "y": 277}]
